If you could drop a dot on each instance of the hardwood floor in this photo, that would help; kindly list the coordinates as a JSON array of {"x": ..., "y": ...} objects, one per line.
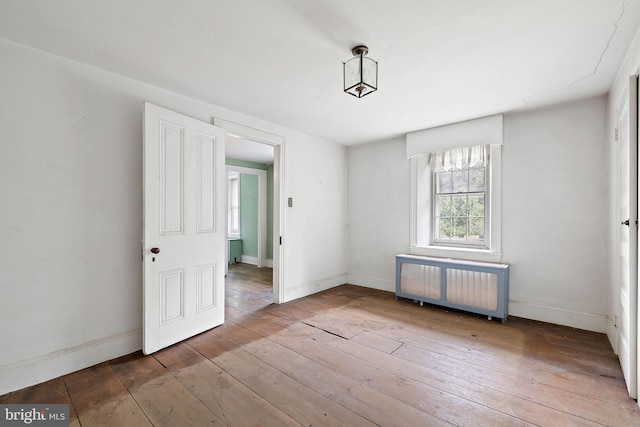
[{"x": 355, "y": 357}]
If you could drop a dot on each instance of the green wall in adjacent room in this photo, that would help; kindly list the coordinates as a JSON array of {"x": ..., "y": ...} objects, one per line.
[
  {"x": 269, "y": 211},
  {"x": 249, "y": 208},
  {"x": 249, "y": 214}
]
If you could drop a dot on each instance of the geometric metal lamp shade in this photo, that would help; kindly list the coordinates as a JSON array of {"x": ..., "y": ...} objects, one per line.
[{"x": 360, "y": 73}]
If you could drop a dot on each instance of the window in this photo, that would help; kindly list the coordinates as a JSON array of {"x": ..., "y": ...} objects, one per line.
[
  {"x": 459, "y": 197},
  {"x": 456, "y": 203},
  {"x": 234, "y": 205}
]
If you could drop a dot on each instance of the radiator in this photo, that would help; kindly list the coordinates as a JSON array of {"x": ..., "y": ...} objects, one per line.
[{"x": 477, "y": 287}]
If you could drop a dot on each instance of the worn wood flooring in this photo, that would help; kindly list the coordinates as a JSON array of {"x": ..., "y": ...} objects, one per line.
[{"x": 352, "y": 356}]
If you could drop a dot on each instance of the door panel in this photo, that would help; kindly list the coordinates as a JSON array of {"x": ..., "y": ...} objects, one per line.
[
  {"x": 184, "y": 186},
  {"x": 627, "y": 168}
]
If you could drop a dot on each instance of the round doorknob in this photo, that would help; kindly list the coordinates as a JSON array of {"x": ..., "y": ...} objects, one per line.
[{"x": 155, "y": 250}]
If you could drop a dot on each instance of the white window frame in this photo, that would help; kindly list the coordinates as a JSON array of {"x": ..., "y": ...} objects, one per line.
[
  {"x": 422, "y": 214},
  {"x": 233, "y": 175}
]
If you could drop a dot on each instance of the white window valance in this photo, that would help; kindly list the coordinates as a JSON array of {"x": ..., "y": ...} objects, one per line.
[
  {"x": 459, "y": 158},
  {"x": 483, "y": 131}
]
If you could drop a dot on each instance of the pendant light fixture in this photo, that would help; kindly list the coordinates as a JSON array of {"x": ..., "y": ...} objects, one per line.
[{"x": 360, "y": 73}]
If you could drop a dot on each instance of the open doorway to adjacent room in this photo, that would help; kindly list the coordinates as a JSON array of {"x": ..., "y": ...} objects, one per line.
[{"x": 251, "y": 199}]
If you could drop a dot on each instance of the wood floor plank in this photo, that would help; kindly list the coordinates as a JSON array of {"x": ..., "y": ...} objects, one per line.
[
  {"x": 352, "y": 356},
  {"x": 378, "y": 407},
  {"x": 468, "y": 325},
  {"x": 503, "y": 402},
  {"x": 210, "y": 345},
  {"x": 509, "y": 359},
  {"x": 100, "y": 398},
  {"x": 230, "y": 400},
  {"x": 260, "y": 326},
  {"x": 288, "y": 311},
  {"x": 301, "y": 403},
  {"x": 49, "y": 392},
  {"x": 457, "y": 359},
  {"x": 555, "y": 335},
  {"x": 164, "y": 400},
  {"x": 568, "y": 402},
  {"x": 379, "y": 342},
  {"x": 333, "y": 326},
  {"x": 402, "y": 387}
]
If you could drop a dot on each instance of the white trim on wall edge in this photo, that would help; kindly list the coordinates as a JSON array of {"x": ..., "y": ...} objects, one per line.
[
  {"x": 574, "y": 319},
  {"x": 456, "y": 253},
  {"x": 372, "y": 282},
  {"x": 249, "y": 259},
  {"x": 268, "y": 263},
  {"x": 314, "y": 286},
  {"x": 35, "y": 370},
  {"x": 612, "y": 334}
]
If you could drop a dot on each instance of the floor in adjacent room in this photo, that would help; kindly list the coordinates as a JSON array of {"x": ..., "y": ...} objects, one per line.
[{"x": 352, "y": 356}]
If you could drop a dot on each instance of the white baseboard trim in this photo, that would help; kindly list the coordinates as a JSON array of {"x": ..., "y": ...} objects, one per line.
[
  {"x": 35, "y": 370},
  {"x": 575, "y": 319},
  {"x": 580, "y": 320},
  {"x": 249, "y": 259},
  {"x": 371, "y": 282},
  {"x": 313, "y": 286},
  {"x": 268, "y": 263}
]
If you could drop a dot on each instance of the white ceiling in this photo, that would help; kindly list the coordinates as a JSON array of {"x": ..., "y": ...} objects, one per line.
[{"x": 440, "y": 61}]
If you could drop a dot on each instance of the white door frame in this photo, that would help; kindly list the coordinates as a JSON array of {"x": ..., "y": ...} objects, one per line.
[
  {"x": 633, "y": 222},
  {"x": 278, "y": 143}
]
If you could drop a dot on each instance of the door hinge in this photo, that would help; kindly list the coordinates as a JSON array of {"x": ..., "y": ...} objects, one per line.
[{"x": 281, "y": 240}]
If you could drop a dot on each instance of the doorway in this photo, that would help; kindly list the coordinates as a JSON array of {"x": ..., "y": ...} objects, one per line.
[{"x": 256, "y": 153}]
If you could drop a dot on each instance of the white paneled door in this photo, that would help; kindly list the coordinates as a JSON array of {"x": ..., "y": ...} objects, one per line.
[
  {"x": 184, "y": 233},
  {"x": 627, "y": 167}
]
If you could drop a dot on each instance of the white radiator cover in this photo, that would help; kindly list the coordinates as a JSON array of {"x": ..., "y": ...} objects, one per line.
[
  {"x": 467, "y": 285},
  {"x": 473, "y": 288}
]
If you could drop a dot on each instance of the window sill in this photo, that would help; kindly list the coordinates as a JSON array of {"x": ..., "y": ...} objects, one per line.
[{"x": 457, "y": 253}]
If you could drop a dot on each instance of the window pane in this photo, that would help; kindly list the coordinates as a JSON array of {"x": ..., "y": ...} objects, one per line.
[
  {"x": 476, "y": 204},
  {"x": 443, "y": 228},
  {"x": 459, "y": 228},
  {"x": 476, "y": 179},
  {"x": 460, "y": 181},
  {"x": 234, "y": 202},
  {"x": 443, "y": 182},
  {"x": 459, "y": 205},
  {"x": 443, "y": 206},
  {"x": 476, "y": 229}
]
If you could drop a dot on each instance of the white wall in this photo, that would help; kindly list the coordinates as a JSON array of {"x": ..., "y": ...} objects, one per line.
[
  {"x": 71, "y": 212},
  {"x": 555, "y": 218},
  {"x": 315, "y": 241},
  {"x": 555, "y": 214},
  {"x": 378, "y": 211}
]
